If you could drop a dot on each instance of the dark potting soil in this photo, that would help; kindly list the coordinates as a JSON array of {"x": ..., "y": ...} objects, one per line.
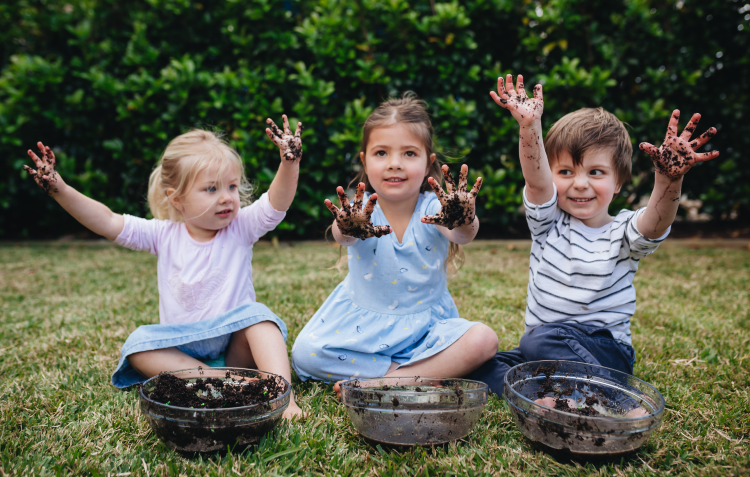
[{"x": 174, "y": 391}]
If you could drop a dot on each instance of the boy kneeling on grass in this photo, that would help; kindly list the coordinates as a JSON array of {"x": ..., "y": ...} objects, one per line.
[{"x": 581, "y": 296}]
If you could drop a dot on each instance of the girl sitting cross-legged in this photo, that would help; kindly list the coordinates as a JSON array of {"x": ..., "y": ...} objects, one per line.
[
  {"x": 393, "y": 314},
  {"x": 203, "y": 235}
]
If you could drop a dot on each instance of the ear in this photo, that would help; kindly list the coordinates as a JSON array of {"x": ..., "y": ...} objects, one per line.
[
  {"x": 175, "y": 201},
  {"x": 617, "y": 190},
  {"x": 362, "y": 157},
  {"x": 430, "y": 162}
]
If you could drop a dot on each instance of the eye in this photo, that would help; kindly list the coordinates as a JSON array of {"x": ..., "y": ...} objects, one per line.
[
  {"x": 411, "y": 154},
  {"x": 597, "y": 172},
  {"x": 211, "y": 188},
  {"x": 565, "y": 172},
  {"x": 380, "y": 153},
  {"x": 232, "y": 187}
]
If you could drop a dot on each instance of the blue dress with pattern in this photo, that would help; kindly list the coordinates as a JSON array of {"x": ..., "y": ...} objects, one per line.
[{"x": 393, "y": 305}]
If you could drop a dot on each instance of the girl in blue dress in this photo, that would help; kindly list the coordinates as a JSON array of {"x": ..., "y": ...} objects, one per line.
[{"x": 393, "y": 314}]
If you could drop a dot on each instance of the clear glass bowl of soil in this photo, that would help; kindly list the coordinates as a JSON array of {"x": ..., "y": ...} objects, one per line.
[
  {"x": 414, "y": 411},
  {"x": 598, "y": 411},
  {"x": 210, "y": 409}
]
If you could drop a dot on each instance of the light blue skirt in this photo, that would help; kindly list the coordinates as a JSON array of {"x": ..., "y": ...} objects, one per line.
[
  {"x": 205, "y": 340},
  {"x": 343, "y": 340}
]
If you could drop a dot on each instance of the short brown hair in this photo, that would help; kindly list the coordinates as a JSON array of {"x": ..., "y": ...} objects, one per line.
[{"x": 591, "y": 129}]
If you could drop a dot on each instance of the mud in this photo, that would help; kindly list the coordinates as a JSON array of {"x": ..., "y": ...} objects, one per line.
[
  {"x": 45, "y": 175},
  {"x": 458, "y": 204},
  {"x": 214, "y": 393},
  {"x": 353, "y": 220},
  {"x": 290, "y": 145}
]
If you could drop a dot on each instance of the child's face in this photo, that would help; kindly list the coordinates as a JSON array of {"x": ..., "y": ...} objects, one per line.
[
  {"x": 207, "y": 208},
  {"x": 586, "y": 191},
  {"x": 396, "y": 163}
]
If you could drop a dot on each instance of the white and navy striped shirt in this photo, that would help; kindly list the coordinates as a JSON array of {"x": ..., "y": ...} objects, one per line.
[{"x": 582, "y": 275}]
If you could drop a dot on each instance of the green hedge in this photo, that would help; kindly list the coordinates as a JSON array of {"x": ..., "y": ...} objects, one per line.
[{"x": 108, "y": 83}]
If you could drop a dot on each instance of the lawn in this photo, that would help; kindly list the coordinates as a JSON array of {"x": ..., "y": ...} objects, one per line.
[{"x": 67, "y": 309}]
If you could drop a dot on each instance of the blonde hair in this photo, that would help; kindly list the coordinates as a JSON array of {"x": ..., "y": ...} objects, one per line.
[
  {"x": 184, "y": 158},
  {"x": 411, "y": 112},
  {"x": 590, "y": 129}
]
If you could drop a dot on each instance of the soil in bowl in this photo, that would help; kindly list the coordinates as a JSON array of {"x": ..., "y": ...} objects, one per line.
[{"x": 214, "y": 393}]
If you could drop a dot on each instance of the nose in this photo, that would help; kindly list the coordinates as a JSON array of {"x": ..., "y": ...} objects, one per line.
[
  {"x": 581, "y": 181},
  {"x": 394, "y": 162},
  {"x": 225, "y": 197}
]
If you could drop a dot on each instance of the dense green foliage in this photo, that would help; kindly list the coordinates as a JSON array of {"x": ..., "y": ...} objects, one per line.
[{"x": 108, "y": 83}]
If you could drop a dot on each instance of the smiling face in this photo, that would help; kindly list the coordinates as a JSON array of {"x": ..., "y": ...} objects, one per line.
[
  {"x": 396, "y": 163},
  {"x": 210, "y": 204},
  {"x": 585, "y": 191}
]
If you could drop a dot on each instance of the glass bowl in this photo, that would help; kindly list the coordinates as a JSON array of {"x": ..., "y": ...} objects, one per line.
[
  {"x": 414, "y": 411},
  {"x": 614, "y": 425},
  {"x": 209, "y": 430}
]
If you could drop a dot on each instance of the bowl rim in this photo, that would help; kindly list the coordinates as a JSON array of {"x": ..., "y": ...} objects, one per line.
[
  {"x": 189, "y": 409},
  {"x": 661, "y": 405},
  {"x": 346, "y": 384}
]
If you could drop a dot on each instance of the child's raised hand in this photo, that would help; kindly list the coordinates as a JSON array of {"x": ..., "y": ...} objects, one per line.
[
  {"x": 290, "y": 146},
  {"x": 526, "y": 110},
  {"x": 45, "y": 175},
  {"x": 677, "y": 155},
  {"x": 353, "y": 220},
  {"x": 459, "y": 204}
]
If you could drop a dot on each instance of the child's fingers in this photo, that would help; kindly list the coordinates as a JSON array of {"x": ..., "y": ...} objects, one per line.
[
  {"x": 47, "y": 155},
  {"x": 298, "y": 132},
  {"x": 381, "y": 230},
  {"x": 501, "y": 87},
  {"x": 285, "y": 122},
  {"x": 706, "y": 156},
  {"x": 673, "y": 121},
  {"x": 463, "y": 179},
  {"x": 519, "y": 86},
  {"x": 370, "y": 206},
  {"x": 703, "y": 138},
  {"x": 502, "y": 102},
  {"x": 358, "y": 196},
  {"x": 477, "y": 186},
  {"x": 272, "y": 137},
  {"x": 343, "y": 199},
  {"x": 334, "y": 210},
  {"x": 649, "y": 149},
  {"x": 274, "y": 128},
  {"x": 438, "y": 191},
  {"x": 509, "y": 85},
  {"x": 690, "y": 128},
  {"x": 538, "y": 92},
  {"x": 450, "y": 184},
  {"x": 31, "y": 171},
  {"x": 38, "y": 162},
  {"x": 432, "y": 219}
]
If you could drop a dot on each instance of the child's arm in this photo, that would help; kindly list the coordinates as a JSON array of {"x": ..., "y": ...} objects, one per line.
[
  {"x": 528, "y": 113},
  {"x": 672, "y": 161},
  {"x": 284, "y": 185},
  {"x": 352, "y": 222},
  {"x": 457, "y": 220},
  {"x": 94, "y": 215}
]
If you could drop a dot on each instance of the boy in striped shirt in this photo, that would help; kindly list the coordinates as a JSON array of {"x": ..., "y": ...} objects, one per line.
[{"x": 581, "y": 296}]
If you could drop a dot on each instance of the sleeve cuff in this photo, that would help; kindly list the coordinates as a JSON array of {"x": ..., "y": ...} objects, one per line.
[
  {"x": 537, "y": 209},
  {"x": 265, "y": 203}
]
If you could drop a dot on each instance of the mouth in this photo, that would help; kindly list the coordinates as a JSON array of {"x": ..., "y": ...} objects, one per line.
[
  {"x": 581, "y": 200},
  {"x": 395, "y": 180},
  {"x": 224, "y": 213}
]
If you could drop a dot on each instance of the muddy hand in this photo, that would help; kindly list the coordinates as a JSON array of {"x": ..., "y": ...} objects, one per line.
[
  {"x": 459, "y": 203},
  {"x": 290, "y": 146},
  {"x": 526, "y": 110},
  {"x": 45, "y": 175},
  {"x": 353, "y": 220},
  {"x": 677, "y": 155}
]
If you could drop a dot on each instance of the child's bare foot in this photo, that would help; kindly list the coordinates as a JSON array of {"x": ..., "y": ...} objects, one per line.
[
  {"x": 293, "y": 412},
  {"x": 337, "y": 389},
  {"x": 552, "y": 402},
  {"x": 637, "y": 412}
]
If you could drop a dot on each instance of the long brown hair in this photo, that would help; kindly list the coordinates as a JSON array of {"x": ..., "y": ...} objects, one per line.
[{"x": 410, "y": 111}]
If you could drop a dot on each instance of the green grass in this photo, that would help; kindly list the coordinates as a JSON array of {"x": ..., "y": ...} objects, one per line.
[{"x": 67, "y": 309}]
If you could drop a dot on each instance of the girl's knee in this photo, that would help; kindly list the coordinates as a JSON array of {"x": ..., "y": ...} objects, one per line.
[{"x": 482, "y": 341}]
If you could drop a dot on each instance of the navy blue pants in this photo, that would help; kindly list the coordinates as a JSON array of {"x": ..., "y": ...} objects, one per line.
[{"x": 563, "y": 341}]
